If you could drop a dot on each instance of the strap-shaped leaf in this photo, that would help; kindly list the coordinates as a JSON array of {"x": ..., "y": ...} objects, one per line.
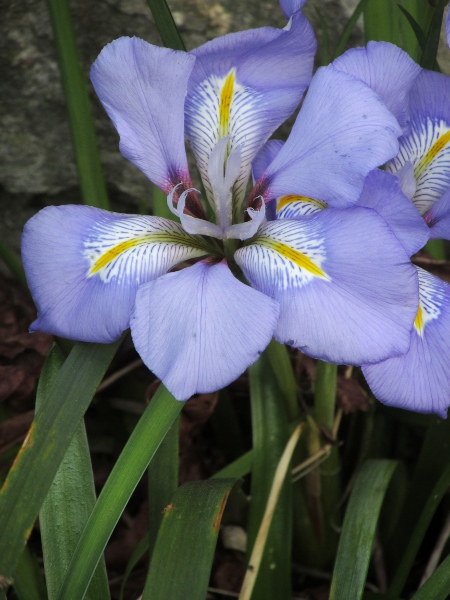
[
  {"x": 437, "y": 586},
  {"x": 47, "y": 441},
  {"x": 358, "y": 532},
  {"x": 90, "y": 173},
  {"x": 184, "y": 550},
  {"x": 418, "y": 533},
  {"x": 128, "y": 470},
  {"x": 165, "y": 24},
  {"x": 270, "y": 436},
  {"x": 69, "y": 501}
]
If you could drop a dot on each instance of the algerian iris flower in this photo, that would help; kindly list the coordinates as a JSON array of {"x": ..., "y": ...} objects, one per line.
[
  {"x": 204, "y": 298},
  {"x": 420, "y": 379}
]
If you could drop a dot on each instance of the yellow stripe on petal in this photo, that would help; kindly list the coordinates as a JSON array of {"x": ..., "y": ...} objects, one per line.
[
  {"x": 286, "y": 200},
  {"x": 114, "y": 252},
  {"x": 298, "y": 258},
  {"x": 226, "y": 98},
  {"x": 418, "y": 322},
  {"x": 432, "y": 153}
]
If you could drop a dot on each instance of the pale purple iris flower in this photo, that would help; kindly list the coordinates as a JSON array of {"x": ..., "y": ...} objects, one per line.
[
  {"x": 337, "y": 283},
  {"x": 420, "y": 379}
]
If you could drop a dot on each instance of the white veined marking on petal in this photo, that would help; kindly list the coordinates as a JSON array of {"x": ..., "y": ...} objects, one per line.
[
  {"x": 135, "y": 250},
  {"x": 282, "y": 258},
  {"x": 220, "y": 107},
  {"x": 428, "y": 149},
  {"x": 292, "y": 207},
  {"x": 430, "y": 301}
]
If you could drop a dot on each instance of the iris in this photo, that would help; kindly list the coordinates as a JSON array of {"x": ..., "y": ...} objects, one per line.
[{"x": 203, "y": 298}]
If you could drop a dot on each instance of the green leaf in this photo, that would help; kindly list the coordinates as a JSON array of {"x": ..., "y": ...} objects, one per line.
[
  {"x": 166, "y": 25},
  {"x": 14, "y": 264},
  {"x": 431, "y": 46},
  {"x": 135, "y": 557},
  {"x": 349, "y": 28},
  {"x": 47, "y": 441},
  {"x": 358, "y": 532},
  {"x": 182, "y": 560},
  {"x": 69, "y": 501},
  {"x": 238, "y": 468},
  {"x": 325, "y": 55},
  {"x": 270, "y": 436},
  {"x": 411, "y": 546},
  {"x": 128, "y": 470},
  {"x": 162, "y": 479},
  {"x": 29, "y": 583},
  {"x": 437, "y": 586},
  {"x": 282, "y": 367},
  {"x": 90, "y": 174},
  {"x": 383, "y": 21},
  {"x": 259, "y": 546}
]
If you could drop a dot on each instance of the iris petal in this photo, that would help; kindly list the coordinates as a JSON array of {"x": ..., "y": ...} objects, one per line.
[
  {"x": 427, "y": 146},
  {"x": 343, "y": 132},
  {"x": 392, "y": 84},
  {"x": 84, "y": 265},
  {"x": 420, "y": 379},
  {"x": 344, "y": 283},
  {"x": 142, "y": 88},
  {"x": 244, "y": 85},
  {"x": 200, "y": 328},
  {"x": 382, "y": 193}
]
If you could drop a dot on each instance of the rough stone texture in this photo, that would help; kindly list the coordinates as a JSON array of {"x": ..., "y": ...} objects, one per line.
[{"x": 36, "y": 160}]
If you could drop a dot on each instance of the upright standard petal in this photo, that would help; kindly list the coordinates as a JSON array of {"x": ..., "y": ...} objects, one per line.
[
  {"x": 200, "y": 328},
  {"x": 143, "y": 88},
  {"x": 420, "y": 379},
  {"x": 343, "y": 132},
  {"x": 383, "y": 194},
  {"x": 244, "y": 85},
  {"x": 84, "y": 265},
  {"x": 344, "y": 283},
  {"x": 427, "y": 146},
  {"x": 388, "y": 70}
]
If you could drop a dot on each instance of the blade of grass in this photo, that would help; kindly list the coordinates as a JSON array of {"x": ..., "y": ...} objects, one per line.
[
  {"x": 437, "y": 586},
  {"x": 261, "y": 539},
  {"x": 238, "y": 468},
  {"x": 14, "y": 264},
  {"x": 162, "y": 479},
  {"x": 135, "y": 557},
  {"x": 31, "y": 476},
  {"x": 434, "y": 32},
  {"x": 325, "y": 54},
  {"x": 90, "y": 173},
  {"x": 282, "y": 368},
  {"x": 69, "y": 501},
  {"x": 166, "y": 25},
  {"x": 325, "y": 483},
  {"x": 29, "y": 583},
  {"x": 184, "y": 551},
  {"x": 349, "y": 28},
  {"x": 358, "y": 532},
  {"x": 270, "y": 435},
  {"x": 418, "y": 533},
  {"x": 128, "y": 470}
]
